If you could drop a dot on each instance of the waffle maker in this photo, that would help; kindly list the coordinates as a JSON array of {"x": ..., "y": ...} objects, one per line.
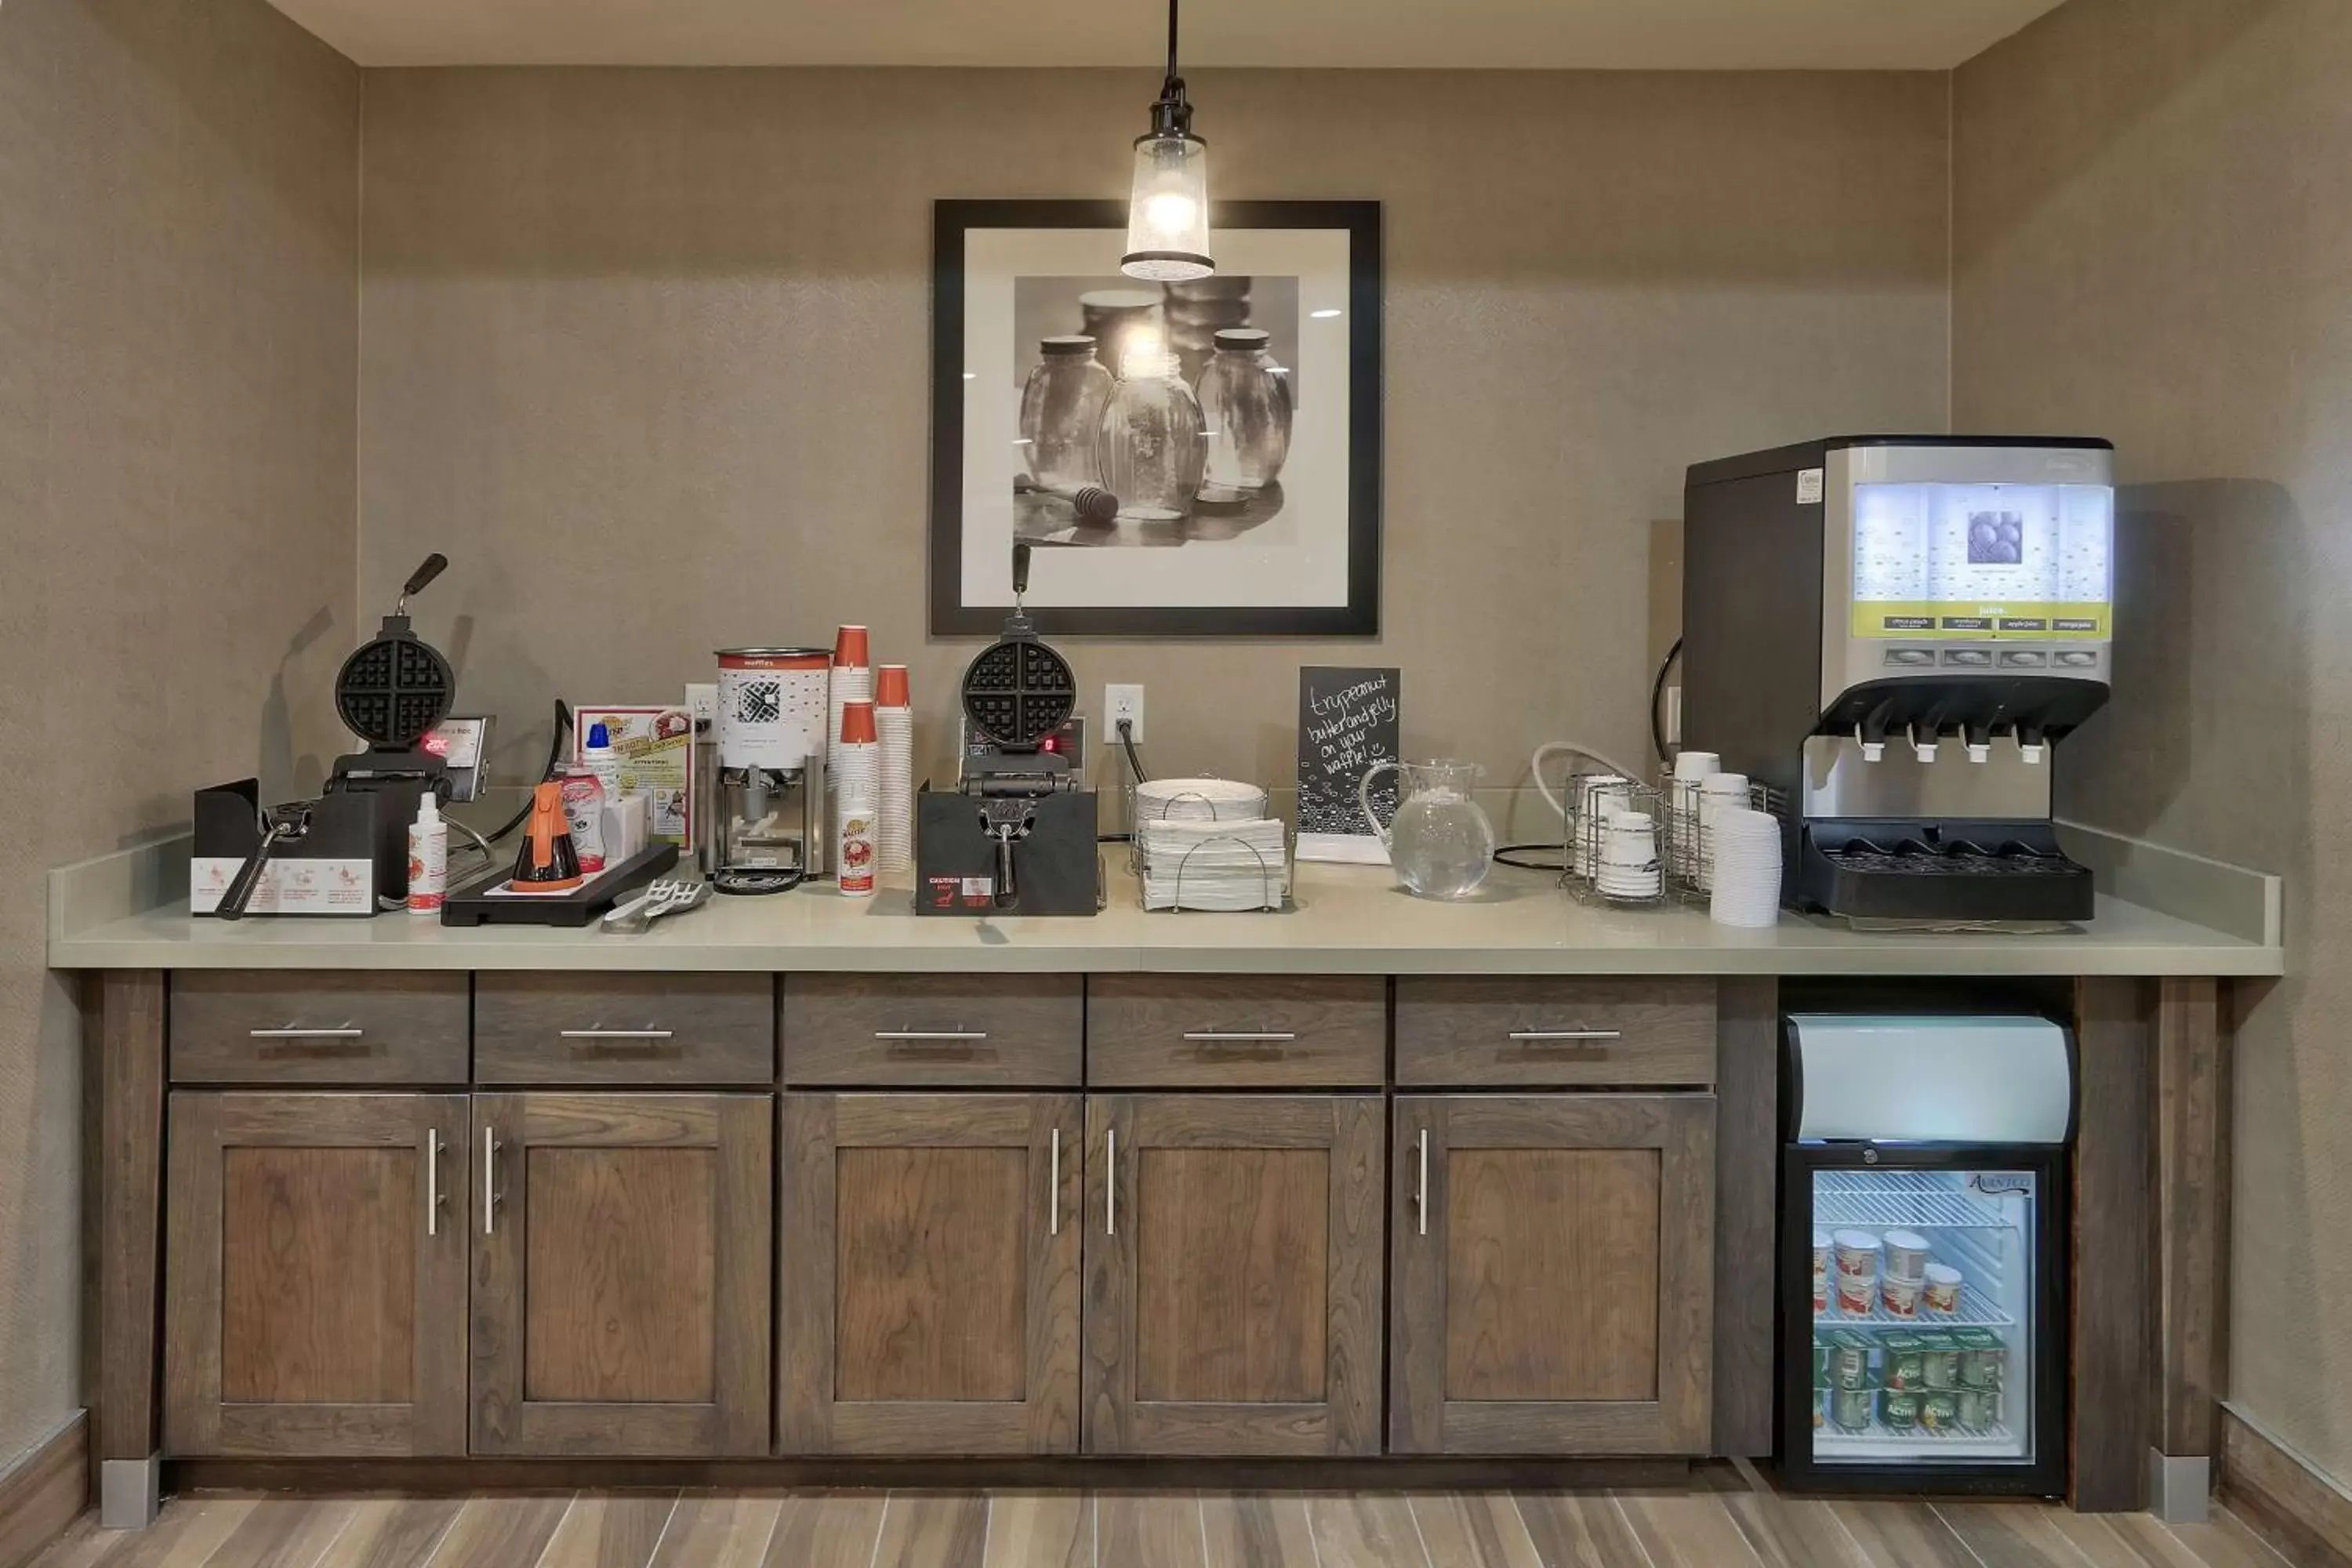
[
  {"x": 391, "y": 689},
  {"x": 1017, "y": 835}
]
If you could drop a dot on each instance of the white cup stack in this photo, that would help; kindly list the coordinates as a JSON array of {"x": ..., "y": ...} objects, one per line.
[
  {"x": 1746, "y": 883},
  {"x": 856, "y": 776},
  {"x": 1716, "y": 791},
  {"x": 1629, "y": 869},
  {"x": 1593, "y": 794},
  {"x": 894, "y": 723},
  {"x": 1691, "y": 770}
]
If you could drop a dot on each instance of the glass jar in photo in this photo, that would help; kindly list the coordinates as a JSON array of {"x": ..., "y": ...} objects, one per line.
[
  {"x": 1246, "y": 407},
  {"x": 1152, "y": 448},
  {"x": 1061, "y": 412}
]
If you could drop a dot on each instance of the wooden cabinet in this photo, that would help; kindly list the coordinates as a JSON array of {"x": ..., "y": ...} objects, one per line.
[
  {"x": 621, "y": 1267},
  {"x": 1232, "y": 1274},
  {"x": 316, "y": 1300},
  {"x": 1503, "y": 1031},
  {"x": 347, "y": 1027},
  {"x": 934, "y": 1031},
  {"x": 625, "y": 1030},
  {"x": 1553, "y": 1265},
  {"x": 929, "y": 1278},
  {"x": 1244, "y": 1031}
]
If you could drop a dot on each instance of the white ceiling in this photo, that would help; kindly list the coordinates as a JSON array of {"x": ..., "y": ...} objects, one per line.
[{"x": 1705, "y": 35}]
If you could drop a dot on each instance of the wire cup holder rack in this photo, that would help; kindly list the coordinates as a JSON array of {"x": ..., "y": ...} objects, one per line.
[
  {"x": 1275, "y": 876},
  {"x": 1680, "y": 813}
]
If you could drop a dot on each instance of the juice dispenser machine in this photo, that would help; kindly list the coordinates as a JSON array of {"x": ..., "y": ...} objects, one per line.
[{"x": 1891, "y": 634}]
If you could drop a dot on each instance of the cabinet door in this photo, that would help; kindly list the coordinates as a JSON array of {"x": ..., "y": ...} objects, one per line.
[
  {"x": 928, "y": 1274},
  {"x": 1232, "y": 1274},
  {"x": 621, "y": 1273},
  {"x": 1554, "y": 1268},
  {"x": 315, "y": 1296}
]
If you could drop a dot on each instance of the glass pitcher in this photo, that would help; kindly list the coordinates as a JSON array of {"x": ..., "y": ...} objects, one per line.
[{"x": 1440, "y": 842}]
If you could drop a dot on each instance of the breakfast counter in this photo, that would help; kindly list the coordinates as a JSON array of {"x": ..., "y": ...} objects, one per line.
[{"x": 787, "y": 1189}]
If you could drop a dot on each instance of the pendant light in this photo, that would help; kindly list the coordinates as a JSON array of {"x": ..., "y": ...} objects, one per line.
[{"x": 1167, "y": 217}]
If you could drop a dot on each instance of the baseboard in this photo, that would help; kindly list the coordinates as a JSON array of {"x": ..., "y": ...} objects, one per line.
[
  {"x": 2303, "y": 1514},
  {"x": 46, "y": 1491}
]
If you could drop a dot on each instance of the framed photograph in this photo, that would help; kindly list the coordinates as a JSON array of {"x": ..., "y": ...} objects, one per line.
[{"x": 1189, "y": 458}]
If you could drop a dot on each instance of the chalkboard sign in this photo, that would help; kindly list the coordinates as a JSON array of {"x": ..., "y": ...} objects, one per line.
[{"x": 1347, "y": 722}]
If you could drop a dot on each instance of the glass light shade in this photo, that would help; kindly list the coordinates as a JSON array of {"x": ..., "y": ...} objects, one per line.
[{"x": 1167, "y": 220}]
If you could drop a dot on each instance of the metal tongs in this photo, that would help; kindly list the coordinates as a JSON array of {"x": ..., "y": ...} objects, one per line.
[{"x": 664, "y": 896}]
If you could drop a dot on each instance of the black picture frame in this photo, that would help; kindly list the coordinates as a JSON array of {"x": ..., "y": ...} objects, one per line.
[{"x": 1360, "y": 616}]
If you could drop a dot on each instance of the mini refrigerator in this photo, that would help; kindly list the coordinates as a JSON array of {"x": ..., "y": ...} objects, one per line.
[{"x": 1923, "y": 1224}]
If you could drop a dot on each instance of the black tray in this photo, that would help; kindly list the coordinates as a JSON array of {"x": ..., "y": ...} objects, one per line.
[
  {"x": 1943, "y": 870},
  {"x": 473, "y": 904}
]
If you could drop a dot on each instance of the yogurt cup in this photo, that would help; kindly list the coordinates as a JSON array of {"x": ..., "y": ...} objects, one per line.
[
  {"x": 1906, "y": 1254},
  {"x": 1857, "y": 1253},
  {"x": 1899, "y": 1296},
  {"x": 1854, "y": 1294},
  {"x": 1941, "y": 1292}
]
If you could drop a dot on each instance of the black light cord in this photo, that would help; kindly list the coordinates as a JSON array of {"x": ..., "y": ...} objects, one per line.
[
  {"x": 1505, "y": 857},
  {"x": 1127, "y": 741},
  {"x": 554, "y": 749},
  {"x": 1657, "y": 693}
]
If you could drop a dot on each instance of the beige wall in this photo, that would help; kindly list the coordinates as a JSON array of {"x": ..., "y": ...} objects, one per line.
[
  {"x": 647, "y": 353},
  {"x": 2154, "y": 222},
  {"x": 178, "y": 277}
]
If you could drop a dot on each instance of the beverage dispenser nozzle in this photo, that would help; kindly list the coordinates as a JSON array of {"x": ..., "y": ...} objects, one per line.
[
  {"x": 1978, "y": 739},
  {"x": 1924, "y": 750},
  {"x": 2030, "y": 742},
  {"x": 1872, "y": 740}
]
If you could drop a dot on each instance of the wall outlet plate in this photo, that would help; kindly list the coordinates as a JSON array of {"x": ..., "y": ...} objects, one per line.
[
  {"x": 702, "y": 702},
  {"x": 1123, "y": 702}
]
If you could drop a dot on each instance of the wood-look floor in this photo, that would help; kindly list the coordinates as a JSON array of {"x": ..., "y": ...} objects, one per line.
[{"x": 1724, "y": 1519}]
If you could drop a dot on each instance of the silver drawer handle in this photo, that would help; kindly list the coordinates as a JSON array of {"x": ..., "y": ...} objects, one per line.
[
  {"x": 1546, "y": 1037},
  {"x": 1420, "y": 1198},
  {"x": 1054, "y": 1188},
  {"x": 921, "y": 1035},
  {"x": 296, "y": 1032},
  {"x": 1110, "y": 1180},
  {"x": 1239, "y": 1037},
  {"x": 432, "y": 1147},
  {"x": 616, "y": 1034},
  {"x": 489, "y": 1180}
]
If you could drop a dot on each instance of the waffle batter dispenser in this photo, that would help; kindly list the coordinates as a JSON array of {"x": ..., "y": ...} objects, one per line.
[
  {"x": 1893, "y": 635},
  {"x": 1016, "y": 834}
]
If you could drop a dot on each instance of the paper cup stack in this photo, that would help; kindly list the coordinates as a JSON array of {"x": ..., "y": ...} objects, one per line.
[
  {"x": 1629, "y": 869},
  {"x": 1691, "y": 770},
  {"x": 853, "y": 680},
  {"x": 1716, "y": 791},
  {"x": 857, "y": 771},
  {"x": 1594, "y": 794},
  {"x": 894, "y": 723},
  {"x": 1747, "y": 885}
]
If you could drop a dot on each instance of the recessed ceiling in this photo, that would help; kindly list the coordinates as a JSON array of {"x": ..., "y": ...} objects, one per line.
[{"x": 1663, "y": 35}]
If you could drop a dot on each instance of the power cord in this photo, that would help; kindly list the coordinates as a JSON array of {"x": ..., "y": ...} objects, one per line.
[
  {"x": 554, "y": 751},
  {"x": 1657, "y": 692},
  {"x": 1135, "y": 765},
  {"x": 1505, "y": 856}
]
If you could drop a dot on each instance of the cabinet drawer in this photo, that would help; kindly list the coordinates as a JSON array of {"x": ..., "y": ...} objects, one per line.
[
  {"x": 336, "y": 1026},
  {"x": 1566, "y": 1031},
  {"x": 933, "y": 1030},
  {"x": 1163, "y": 1031},
  {"x": 624, "y": 1028}
]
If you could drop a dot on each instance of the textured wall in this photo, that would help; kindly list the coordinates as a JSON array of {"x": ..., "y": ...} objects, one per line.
[
  {"x": 647, "y": 353},
  {"x": 2154, "y": 228},
  {"x": 178, "y": 351}
]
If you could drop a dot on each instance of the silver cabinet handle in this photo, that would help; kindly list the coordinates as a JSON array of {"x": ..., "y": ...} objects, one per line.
[
  {"x": 1545, "y": 1036},
  {"x": 616, "y": 1034},
  {"x": 297, "y": 1032},
  {"x": 1110, "y": 1180},
  {"x": 930, "y": 1033},
  {"x": 433, "y": 1181},
  {"x": 1421, "y": 1199},
  {"x": 1054, "y": 1188},
  {"x": 1239, "y": 1037},
  {"x": 489, "y": 1180}
]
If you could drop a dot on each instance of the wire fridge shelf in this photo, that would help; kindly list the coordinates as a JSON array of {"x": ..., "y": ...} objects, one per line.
[{"x": 1902, "y": 1198}]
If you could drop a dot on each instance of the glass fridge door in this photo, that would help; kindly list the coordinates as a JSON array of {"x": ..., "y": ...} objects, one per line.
[{"x": 1923, "y": 1300}]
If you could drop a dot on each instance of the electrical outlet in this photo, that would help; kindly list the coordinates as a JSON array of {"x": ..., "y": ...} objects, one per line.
[
  {"x": 1122, "y": 702},
  {"x": 702, "y": 703}
]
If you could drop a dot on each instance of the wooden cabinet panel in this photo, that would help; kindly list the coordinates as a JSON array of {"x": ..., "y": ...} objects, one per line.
[
  {"x": 1250, "y": 1031},
  {"x": 351, "y": 1027},
  {"x": 315, "y": 1297},
  {"x": 1554, "y": 1031},
  {"x": 621, "y": 1273},
  {"x": 1553, "y": 1260},
  {"x": 934, "y": 1031},
  {"x": 625, "y": 1030},
  {"x": 1232, "y": 1274},
  {"x": 928, "y": 1274}
]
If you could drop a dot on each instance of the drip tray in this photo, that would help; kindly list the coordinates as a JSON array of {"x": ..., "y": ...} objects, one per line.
[{"x": 1929, "y": 870}]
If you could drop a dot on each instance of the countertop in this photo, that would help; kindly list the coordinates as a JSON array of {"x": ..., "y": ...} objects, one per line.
[{"x": 1347, "y": 920}]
